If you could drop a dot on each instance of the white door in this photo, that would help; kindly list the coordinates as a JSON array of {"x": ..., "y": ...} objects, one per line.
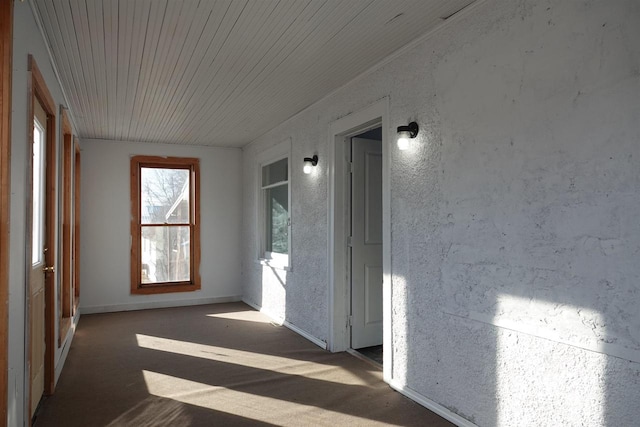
[
  {"x": 38, "y": 258},
  {"x": 366, "y": 243}
]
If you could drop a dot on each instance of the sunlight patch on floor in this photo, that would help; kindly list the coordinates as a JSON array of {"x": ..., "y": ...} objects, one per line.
[
  {"x": 247, "y": 405},
  {"x": 245, "y": 358},
  {"x": 240, "y": 315}
]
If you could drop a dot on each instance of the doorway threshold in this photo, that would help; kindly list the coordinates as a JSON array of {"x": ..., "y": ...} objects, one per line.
[{"x": 371, "y": 355}]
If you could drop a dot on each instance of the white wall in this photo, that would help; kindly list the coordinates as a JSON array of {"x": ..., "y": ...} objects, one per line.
[
  {"x": 515, "y": 234},
  {"x": 27, "y": 40},
  {"x": 105, "y": 225}
]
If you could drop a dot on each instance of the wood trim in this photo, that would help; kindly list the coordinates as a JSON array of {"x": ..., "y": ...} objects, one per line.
[
  {"x": 134, "y": 180},
  {"x": 193, "y": 164},
  {"x": 66, "y": 303},
  {"x": 76, "y": 224},
  {"x": 28, "y": 245},
  {"x": 195, "y": 251},
  {"x": 40, "y": 88},
  {"x": 66, "y": 125},
  {"x": 49, "y": 377},
  {"x": 66, "y": 219},
  {"x": 38, "y": 91},
  {"x": 6, "y": 52},
  {"x": 64, "y": 325}
]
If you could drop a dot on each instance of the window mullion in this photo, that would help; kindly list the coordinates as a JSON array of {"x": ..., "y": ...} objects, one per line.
[{"x": 277, "y": 184}]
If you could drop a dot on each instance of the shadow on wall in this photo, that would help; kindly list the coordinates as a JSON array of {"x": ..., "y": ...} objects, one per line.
[
  {"x": 581, "y": 354},
  {"x": 525, "y": 290},
  {"x": 559, "y": 355},
  {"x": 456, "y": 358},
  {"x": 483, "y": 322},
  {"x": 536, "y": 361}
]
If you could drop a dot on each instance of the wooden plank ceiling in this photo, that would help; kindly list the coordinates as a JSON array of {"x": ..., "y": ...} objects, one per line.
[{"x": 217, "y": 72}]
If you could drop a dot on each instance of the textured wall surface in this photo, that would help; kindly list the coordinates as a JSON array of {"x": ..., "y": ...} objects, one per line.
[
  {"x": 515, "y": 233},
  {"x": 105, "y": 223}
]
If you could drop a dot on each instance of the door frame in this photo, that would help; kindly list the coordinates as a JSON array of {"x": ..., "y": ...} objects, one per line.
[
  {"x": 37, "y": 91},
  {"x": 76, "y": 223},
  {"x": 339, "y": 336},
  {"x": 66, "y": 296},
  {"x": 6, "y": 56}
]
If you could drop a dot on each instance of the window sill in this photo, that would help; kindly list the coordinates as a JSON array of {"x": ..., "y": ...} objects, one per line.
[
  {"x": 164, "y": 288},
  {"x": 274, "y": 264}
]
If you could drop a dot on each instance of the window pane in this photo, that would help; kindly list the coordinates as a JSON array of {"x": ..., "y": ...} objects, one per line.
[
  {"x": 37, "y": 243},
  {"x": 277, "y": 199},
  {"x": 164, "y": 196},
  {"x": 165, "y": 254},
  {"x": 275, "y": 172}
]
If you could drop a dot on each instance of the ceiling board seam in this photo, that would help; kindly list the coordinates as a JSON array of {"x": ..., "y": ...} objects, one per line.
[
  {"x": 259, "y": 86},
  {"x": 169, "y": 100},
  {"x": 202, "y": 114},
  {"x": 156, "y": 143},
  {"x": 246, "y": 86},
  {"x": 222, "y": 45},
  {"x": 221, "y": 72},
  {"x": 197, "y": 71},
  {"x": 175, "y": 54},
  {"x": 53, "y": 63},
  {"x": 98, "y": 53},
  {"x": 167, "y": 53},
  {"x": 263, "y": 88},
  {"x": 135, "y": 60},
  {"x": 91, "y": 87},
  {"x": 77, "y": 79},
  {"x": 396, "y": 54},
  {"x": 229, "y": 87},
  {"x": 135, "y": 93},
  {"x": 149, "y": 94},
  {"x": 148, "y": 54}
]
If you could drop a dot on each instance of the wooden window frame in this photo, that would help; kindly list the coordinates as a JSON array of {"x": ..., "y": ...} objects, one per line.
[
  {"x": 6, "y": 52},
  {"x": 193, "y": 165}
]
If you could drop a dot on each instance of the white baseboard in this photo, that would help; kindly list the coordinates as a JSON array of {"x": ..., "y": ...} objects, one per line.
[
  {"x": 431, "y": 405},
  {"x": 65, "y": 348},
  {"x": 156, "y": 304},
  {"x": 256, "y": 307},
  {"x": 307, "y": 335},
  {"x": 280, "y": 321}
]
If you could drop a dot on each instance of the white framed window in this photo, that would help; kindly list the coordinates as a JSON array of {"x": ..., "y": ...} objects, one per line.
[
  {"x": 38, "y": 196},
  {"x": 274, "y": 204}
]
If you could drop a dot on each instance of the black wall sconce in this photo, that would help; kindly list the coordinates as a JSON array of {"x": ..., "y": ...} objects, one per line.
[
  {"x": 406, "y": 134},
  {"x": 309, "y": 164}
]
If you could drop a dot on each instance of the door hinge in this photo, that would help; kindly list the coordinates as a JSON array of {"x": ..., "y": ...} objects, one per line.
[
  {"x": 350, "y": 320},
  {"x": 351, "y": 167},
  {"x": 349, "y": 241}
]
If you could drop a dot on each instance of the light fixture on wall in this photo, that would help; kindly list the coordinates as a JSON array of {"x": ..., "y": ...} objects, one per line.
[
  {"x": 405, "y": 134},
  {"x": 309, "y": 163}
]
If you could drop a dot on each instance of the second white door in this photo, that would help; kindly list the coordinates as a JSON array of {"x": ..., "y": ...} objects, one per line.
[{"x": 366, "y": 243}]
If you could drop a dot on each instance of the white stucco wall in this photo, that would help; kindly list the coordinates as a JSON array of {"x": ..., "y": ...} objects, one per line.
[
  {"x": 105, "y": 225},
  {"x": 27, "y": 40},
  {"x": 515, "y": 234}
]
